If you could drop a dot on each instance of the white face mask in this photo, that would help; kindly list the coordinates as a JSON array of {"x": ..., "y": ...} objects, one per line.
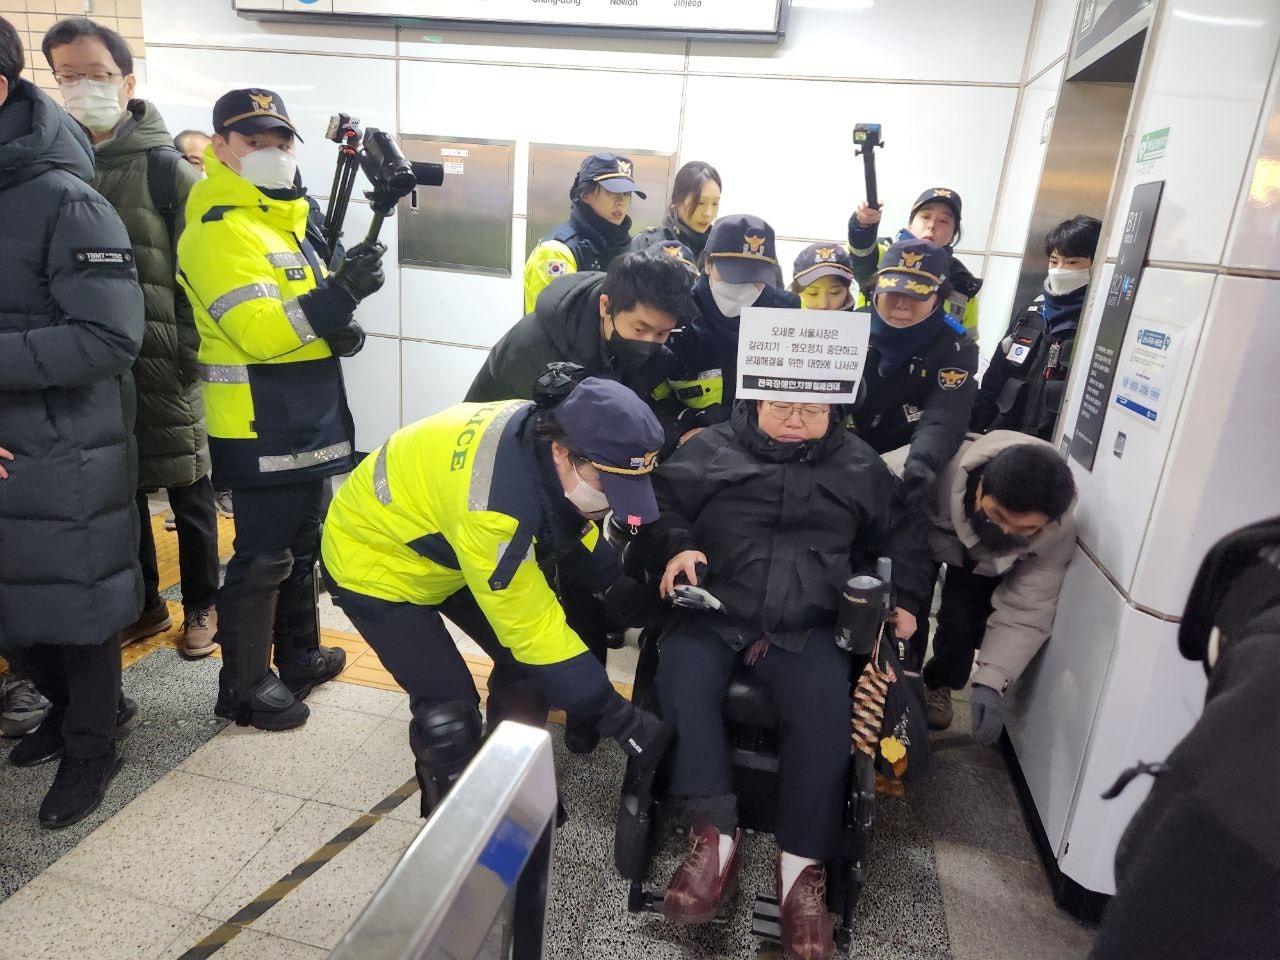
[
  {"x": 269, "y": 168},
  {"x": 731, "y": 298},
  {"x": 1060, "y": 282},
  {"x": 587, "y": 500},
  {"x": 94, "y": 103}
]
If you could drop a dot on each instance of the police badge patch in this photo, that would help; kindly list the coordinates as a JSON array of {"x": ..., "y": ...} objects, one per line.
[{"x": 952, "y": 378}]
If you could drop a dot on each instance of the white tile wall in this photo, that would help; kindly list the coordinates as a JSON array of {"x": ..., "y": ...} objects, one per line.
[
  {"x": 436, "y": 376},
  {"x": 980, "y": 41},
  {"x": 995, "y": 303},
  {"x": 807, "y": 184},
  {"x": 1209, "y": 78},
  {"x": 1116, "y": 498},
  {"x": 1222, "y": 468},
  {"x": 373, "y": 390},
  {"x": 1026, "y": 160},
  {"x": 783, "y": 145},
  {"x": 184, "y": 83},
  {"x": 610, "y": 53},
  {"x": 1053, "y": 33},
  {"x": 1255, "y": 235},
  {"x": 464, "y": 308}
]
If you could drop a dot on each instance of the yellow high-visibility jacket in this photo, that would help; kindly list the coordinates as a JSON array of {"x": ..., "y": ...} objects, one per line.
[
  {"x": 275, "y": 403},
  {"x": 449, "y": 503}
]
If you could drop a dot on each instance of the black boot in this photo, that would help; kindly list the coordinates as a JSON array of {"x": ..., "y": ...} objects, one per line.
[
  {"x": 642, "y": 736},
  {"x": 248, "y": 692},
  {"x": 45, "y": 744},
  {"x": 78, "y": 789},
  {"x": 303, "y": 664}
]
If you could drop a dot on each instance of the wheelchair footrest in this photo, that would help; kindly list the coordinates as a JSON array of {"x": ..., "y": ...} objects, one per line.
[{"x": 766, "y": 918}]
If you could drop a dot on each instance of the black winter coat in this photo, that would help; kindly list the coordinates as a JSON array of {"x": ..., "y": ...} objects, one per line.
[
  {"x": 710, "y": 343},
  {"x": 71, "y": 322},
  {"x": 926, "y": 401},
  {"x": 783, "y": 527},
  {"x": 565, "y": 325}
]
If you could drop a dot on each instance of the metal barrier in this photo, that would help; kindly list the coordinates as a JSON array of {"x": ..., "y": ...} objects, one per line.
[{"x": 473, "y": 884}]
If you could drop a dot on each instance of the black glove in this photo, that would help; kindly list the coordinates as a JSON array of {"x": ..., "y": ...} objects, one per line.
[
  {"x": 346, "y": 342},
  {"x": 360, "y": 273},
  {"x": 329, "y": 306},
  {"x": 918, "y": 480}
]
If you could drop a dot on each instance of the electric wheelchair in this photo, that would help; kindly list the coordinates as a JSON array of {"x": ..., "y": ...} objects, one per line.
[{"x": 753, "y": 729}]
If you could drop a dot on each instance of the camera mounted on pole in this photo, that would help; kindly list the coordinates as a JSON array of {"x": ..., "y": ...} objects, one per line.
[
  {"x": 866, "y": 137},
  {"x": 392, "y": 175}
]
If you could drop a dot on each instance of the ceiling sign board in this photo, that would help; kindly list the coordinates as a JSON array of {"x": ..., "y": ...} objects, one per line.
[{"x": 760, "y": 20}]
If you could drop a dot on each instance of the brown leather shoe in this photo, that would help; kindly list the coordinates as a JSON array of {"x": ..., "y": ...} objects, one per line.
[
  {"x": 700, "y": 885},
  {"x": 153, "y": 620},
  {"x": 807, "y": 930},
  {"x": 198, "y": 629}
]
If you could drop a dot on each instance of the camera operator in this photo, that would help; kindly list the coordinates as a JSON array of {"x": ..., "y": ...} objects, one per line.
[
  {"x": 782, "y": 504},
  {"x": 272, "y": 320}
]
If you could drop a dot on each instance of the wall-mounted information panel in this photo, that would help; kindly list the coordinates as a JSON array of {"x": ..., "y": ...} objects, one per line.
[
  {"x": 464, "y": 224},
  {"x": 761, "y": 20},
  {"x": 552, "y": 168}
]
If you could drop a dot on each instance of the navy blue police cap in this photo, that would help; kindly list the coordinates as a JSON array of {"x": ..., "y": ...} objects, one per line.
[
  {"x": 943, "y": 195},
  {"x": 611, "y": 428},
  {"x": 611, "y": 171},
  {"x": 679, "y": 252},
  {"x": 251, "y": 111},
  {"x": 913, "y": 268},
  {"x": 743, "y": 250},
  {"x": 822, "y": 260}
]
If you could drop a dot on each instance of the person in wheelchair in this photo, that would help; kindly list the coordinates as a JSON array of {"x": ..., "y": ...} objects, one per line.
[{"x": 781, "y": 505}]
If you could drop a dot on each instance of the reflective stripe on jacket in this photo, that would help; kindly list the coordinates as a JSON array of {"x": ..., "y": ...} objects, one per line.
[
  {"x": 275, "y": 403},
  {"x": 446, "y": 504}
]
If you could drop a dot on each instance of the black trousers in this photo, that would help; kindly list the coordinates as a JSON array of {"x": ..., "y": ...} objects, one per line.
[
  {"x": 83, "y": 685},
  {"x": 814, "y": 696},
  {"x": 416, "y": 647},
  {"x": 271, "y": 519},
  {"x": 197, "y": 520},
  {"x": 962, "y": 623}
]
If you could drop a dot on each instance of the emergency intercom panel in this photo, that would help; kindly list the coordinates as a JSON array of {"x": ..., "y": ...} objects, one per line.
[
  {"x": 552, "y": 168},
  {"x": 466, "y": 226}
]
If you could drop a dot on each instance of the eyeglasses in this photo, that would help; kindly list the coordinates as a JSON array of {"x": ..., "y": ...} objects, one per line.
[
  {"x": 66, "y": 78},
  {"x": 809, "y": 413}
]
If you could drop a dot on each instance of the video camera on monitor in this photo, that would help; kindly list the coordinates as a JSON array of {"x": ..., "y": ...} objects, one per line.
[{"x": 392, "y": 175}]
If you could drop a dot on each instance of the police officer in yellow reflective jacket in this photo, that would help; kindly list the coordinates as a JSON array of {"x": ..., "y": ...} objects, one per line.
[
  {"x": 598, "y": 228},
  {"x": 271, "y": 319},
  {"x": 455, "y": 515}
]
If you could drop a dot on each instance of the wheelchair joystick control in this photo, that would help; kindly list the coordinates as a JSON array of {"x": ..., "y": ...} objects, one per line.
[
  {"x": 861, "y": 614},
  {"x": 695, "y": 598}
]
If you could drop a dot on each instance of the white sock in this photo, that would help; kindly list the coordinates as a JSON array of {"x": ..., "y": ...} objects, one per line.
[
  {"x": 792, "y": 867},
  {"x": 726, "y": 844}
]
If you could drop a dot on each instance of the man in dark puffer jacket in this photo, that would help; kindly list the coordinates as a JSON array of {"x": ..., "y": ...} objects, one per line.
[
  {"x": 70, "y": 327},
  {"x": 147, "y": 182}
]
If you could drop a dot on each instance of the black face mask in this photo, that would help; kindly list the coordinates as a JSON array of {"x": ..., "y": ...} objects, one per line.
[
  {"x": 990, "y": 534},
  {"x": 631, "y": 355}
]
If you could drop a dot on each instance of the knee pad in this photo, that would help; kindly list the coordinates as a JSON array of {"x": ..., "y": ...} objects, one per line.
[
  {"x": 268, "y": 570},
  {"x": 444, "y": 737}
]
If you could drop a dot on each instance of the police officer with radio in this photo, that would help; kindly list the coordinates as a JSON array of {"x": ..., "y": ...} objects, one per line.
[
  {"x": 935, "y": 216},
  {"x": 1023, "y": 386},
  {"x": 921, "y": 372},
  {"x": 269, "y": 314},
  {"x": 598, "y": 228}
]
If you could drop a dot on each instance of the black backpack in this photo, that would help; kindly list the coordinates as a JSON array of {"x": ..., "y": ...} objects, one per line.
[{"x": 162, "y": 176}]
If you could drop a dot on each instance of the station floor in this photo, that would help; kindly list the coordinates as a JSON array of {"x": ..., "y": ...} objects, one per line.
[{"x": 217, "y": 841}]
